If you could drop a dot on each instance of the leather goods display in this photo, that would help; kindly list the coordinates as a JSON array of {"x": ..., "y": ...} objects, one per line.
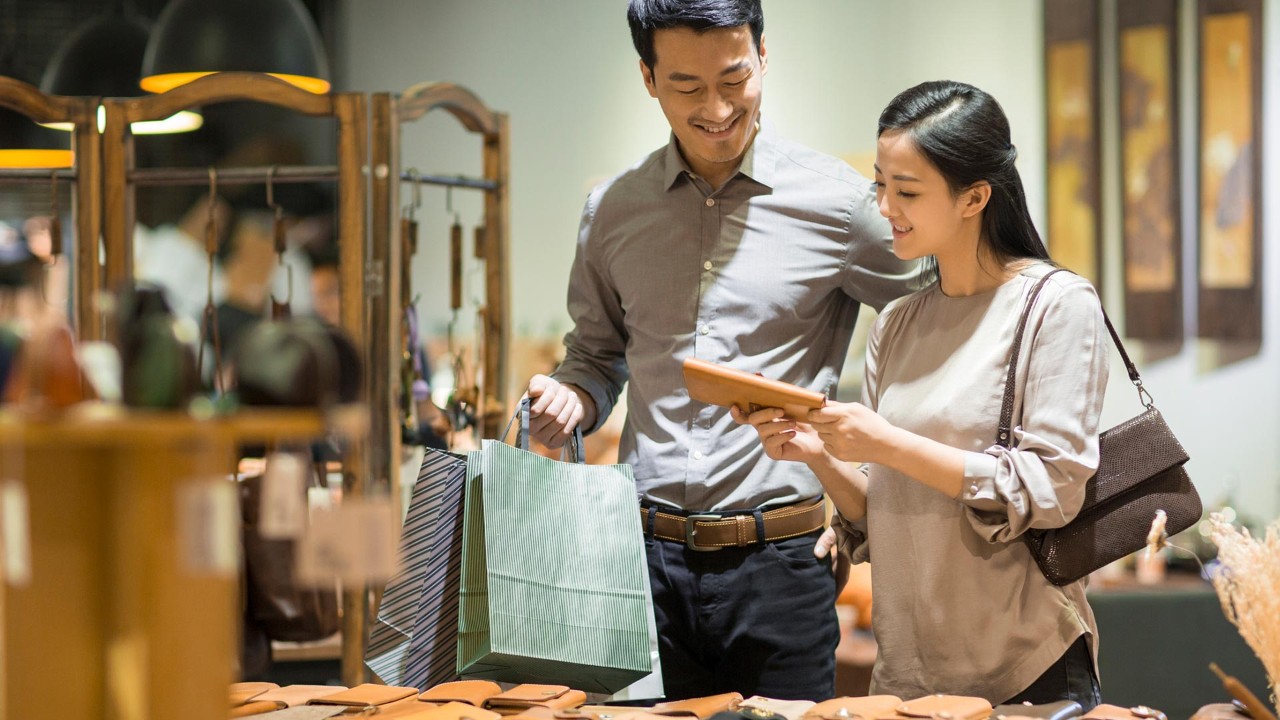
[
  {"x": 471, "y": 692},
  {"x": 1062, "y": 710},
  {"x": 871, "y": 706},
  {"x": 701, "y": 707},
  {"x": 550, "y": 593},
  {"x": 412, "y": 710},
  {"x": 721, "y": 385},
  {"x": 366, "y": 695},
  {"x": 705, "y": 532},
  {"x": 242, "y": 692},
  {"x": 951, "y": 707},
  {"x": 531, "y": 695},
  {"x": 1140, "y": 470},
  {"x": 296, "y": 362},
  {"x": 256, "y": 707},
  {"x": 275, "y": 603},
  {"x": 1115, "y": 712},
  {"x": 159, "y": 369}
]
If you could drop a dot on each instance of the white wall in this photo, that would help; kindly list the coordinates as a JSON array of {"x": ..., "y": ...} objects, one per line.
[{"x": 567, "y": 74}]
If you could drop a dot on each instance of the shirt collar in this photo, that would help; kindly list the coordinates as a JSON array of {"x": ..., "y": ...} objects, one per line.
[{"x": 758, "y": 162}]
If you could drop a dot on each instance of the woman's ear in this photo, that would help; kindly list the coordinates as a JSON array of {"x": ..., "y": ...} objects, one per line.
[{"x": 973, "y": 200}]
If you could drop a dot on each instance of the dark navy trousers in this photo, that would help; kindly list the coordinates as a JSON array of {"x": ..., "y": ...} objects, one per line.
[{"x": 758, "y": 620}]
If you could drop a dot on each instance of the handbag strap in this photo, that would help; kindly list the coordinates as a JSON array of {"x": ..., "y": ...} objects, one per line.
[
  {"x": 1006, "y": 407},
  {"x": 574, "y": 447}
]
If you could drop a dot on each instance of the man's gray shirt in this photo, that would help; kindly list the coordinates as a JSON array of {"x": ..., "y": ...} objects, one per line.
[{"x": 764, "y": 274}]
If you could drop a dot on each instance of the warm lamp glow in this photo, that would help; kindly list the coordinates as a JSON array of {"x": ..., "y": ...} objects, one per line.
[
  {"x": 169, "y": 81},
  {"x": 179, "y": 122},
  {"x": 36, "y": 159}
]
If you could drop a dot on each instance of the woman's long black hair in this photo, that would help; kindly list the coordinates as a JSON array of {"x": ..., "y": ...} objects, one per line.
[{"x": 964, "y": 133}]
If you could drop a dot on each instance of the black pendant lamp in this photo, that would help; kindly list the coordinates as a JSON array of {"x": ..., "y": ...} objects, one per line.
[
  {"x": 103, "y": 58},
  {"x": 193, "y": 38}
]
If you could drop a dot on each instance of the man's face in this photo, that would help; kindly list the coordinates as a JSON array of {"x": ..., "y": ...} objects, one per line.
[{"x": 709, "y": 87}]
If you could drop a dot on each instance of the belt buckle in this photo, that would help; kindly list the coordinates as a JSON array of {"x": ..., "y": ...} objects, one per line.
[{"x": 691, "y": 532}]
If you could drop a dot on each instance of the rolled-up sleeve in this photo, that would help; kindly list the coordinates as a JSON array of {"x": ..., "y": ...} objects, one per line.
[
  {"x": 595, "y": 349},
  {"x": 1039, "y": 482}
]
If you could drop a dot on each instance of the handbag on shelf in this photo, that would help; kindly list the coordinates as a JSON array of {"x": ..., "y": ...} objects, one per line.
[{"x": 1140, "y": 471}]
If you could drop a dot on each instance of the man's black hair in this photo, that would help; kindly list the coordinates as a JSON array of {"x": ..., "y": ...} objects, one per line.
[{"x": 645, "y": 16}]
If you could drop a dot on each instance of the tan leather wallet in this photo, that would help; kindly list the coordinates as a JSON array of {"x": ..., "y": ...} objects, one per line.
[
  {"x": 294, "y": 695},
  {"x": 871, "y": 706},
  {"x": 722, "y": 385},
  {"x": 946, "y": 707},
  {"x": 701, "y": 707},
  {"x": 242, "y": 692},
  {"x": 471, "y": 692},
  {"x": 530, "y": 695},
  {"x": 366, "y": 695},
  {"x": 1115, "y": 712},
  {"x": 413, "y": 710}
]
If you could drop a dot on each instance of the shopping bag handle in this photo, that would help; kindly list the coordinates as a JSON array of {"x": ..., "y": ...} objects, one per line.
[{"x": 574, "y": 448}]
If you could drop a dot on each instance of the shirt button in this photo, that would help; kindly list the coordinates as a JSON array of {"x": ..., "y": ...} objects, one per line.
[
  {"x": 973, "y": 489},
  {"x": 705, "y": 329},
  {"x": 697, "y": 455},
  {"x": 706, "y": 265},
  {"x": 711, "y": 202}
]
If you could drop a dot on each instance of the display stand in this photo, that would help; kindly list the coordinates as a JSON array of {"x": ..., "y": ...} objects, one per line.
[
  {"x": 85, "y": 174},
  {"x": 121, "y": 177},
  {"x": 130, "y": 608},
  {"x": 389, "y": 113}
]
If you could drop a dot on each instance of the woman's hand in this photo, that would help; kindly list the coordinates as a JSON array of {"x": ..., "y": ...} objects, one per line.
[
  {"x": 782, "y": 439},
  {"x": 852, "y": 432}
]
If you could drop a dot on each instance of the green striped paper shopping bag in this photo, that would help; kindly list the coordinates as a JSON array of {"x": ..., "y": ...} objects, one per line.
[{"x": 554, "y": 578}]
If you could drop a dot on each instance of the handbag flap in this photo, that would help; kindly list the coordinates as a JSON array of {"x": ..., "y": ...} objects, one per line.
[
  {"x": 472, "y": 692},
  {"x": 366, "y": 694},
  {"x": 427, "y": 711},
  {"x": 952, "y": 707},
  {"x": 854, "y": 707},
  {"x": 529, "y": 693},
  {"x": 1115, "y": 712},
  {"x": 701, "y": 707},
  {"x": 1131, "y": 452}
]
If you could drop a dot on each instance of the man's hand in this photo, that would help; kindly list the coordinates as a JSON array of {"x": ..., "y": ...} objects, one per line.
[
  {"x": 825, "y": 546},
  {"x": 556, "y": 409}
]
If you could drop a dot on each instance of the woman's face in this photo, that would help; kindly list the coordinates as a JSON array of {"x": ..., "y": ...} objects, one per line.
[{"x": 913, "y": 195}]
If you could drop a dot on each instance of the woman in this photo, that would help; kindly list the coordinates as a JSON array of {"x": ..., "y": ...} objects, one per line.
[{"x": 940, "y": 508}]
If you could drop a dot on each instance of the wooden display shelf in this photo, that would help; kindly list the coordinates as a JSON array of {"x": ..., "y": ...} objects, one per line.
[{"x": 131, "y": 608}]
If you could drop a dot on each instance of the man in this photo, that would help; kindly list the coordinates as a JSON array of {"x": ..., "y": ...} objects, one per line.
[{"x": 732, "y": 245}]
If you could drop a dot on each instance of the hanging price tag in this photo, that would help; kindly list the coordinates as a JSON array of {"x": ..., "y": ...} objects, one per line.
[
  {"x": 208, "y": 527},
  {"x": 283, "y": 510},
  {"x": 355, "y": 542},
  {"x": 15, "y": 534}
]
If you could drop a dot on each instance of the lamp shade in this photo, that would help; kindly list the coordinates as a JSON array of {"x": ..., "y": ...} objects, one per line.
[
  {"x": 103, "y": 58},
  {"x": 24, "y": 144},
  {"x": 193, "y": 38}
]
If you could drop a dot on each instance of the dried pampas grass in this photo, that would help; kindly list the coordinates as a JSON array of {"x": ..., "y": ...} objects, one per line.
[{"x": 1248, "y": 585}]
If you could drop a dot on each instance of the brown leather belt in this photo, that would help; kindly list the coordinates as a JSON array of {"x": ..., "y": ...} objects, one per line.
[{"x": 709, "y": 531}]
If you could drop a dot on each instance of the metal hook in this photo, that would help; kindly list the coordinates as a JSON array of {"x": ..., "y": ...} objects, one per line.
[
  {"x": 416, "y": 179},
  {"x": 448, "y": 199}
]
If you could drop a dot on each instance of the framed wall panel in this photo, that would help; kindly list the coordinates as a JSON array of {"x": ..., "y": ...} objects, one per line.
[
  {"x": 1074, "y": 233},
  {"x": 1230, "y": 181},
  {"x": 1147, "y": 52}
]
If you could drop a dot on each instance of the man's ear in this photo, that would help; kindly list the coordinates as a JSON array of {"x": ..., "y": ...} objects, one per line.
[
  {"x": 974, "y": 199},
  {"x": 764, "y": 57},
  {"x": 646, "y": 72}
]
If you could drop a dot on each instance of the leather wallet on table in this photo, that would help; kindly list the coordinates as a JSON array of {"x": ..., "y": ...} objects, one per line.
[
  {"x": 366, "y": 695},
  {"x": 789, "y": 709},
  {"x": 242, "y": 692},
  {"x": 471, "y": 692},
  {"x": 871, "y": 706},
  {"x": 952, "y": 707},
  {"x": 520, "y": 697},
  {"x": 295, "y": 695},
  {"x": 1061, "y": 710},
  {"x": 414, "y": 710},
  {"x": 701, "y": 707},
  {"x": 1115, "y": 712}
]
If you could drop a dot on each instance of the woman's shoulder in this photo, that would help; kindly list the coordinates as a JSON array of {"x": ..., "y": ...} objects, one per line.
[{"x": 1063, "y": 286}]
